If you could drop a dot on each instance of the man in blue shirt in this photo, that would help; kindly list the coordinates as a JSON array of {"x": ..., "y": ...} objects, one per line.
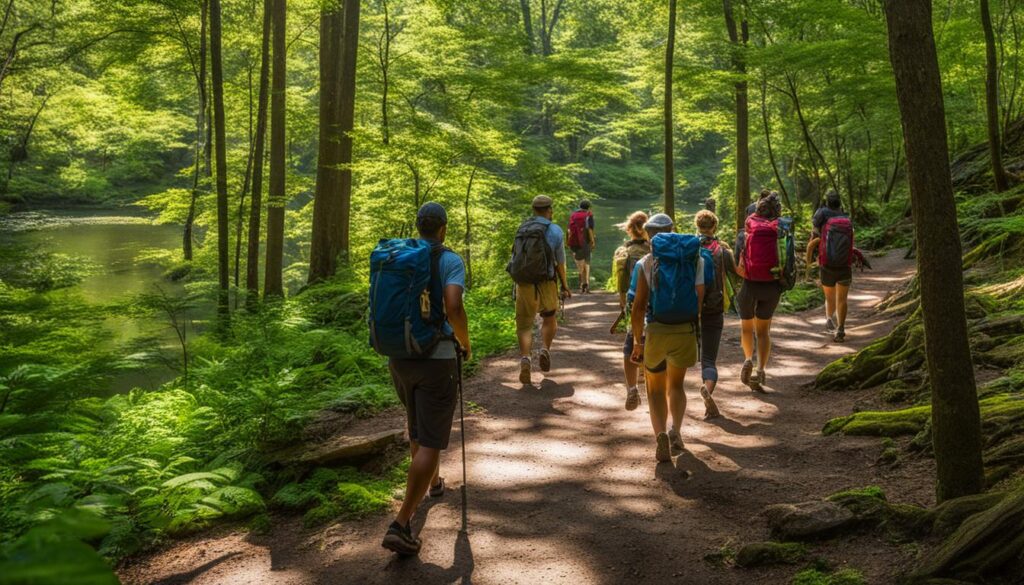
[
  {"x": 428, "y": 387},
  {"x": 541, "y": 298}
]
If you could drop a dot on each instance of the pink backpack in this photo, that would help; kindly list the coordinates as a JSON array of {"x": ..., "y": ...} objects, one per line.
[
  {"x": 761, "y": 249},
  {"x": 578, "y": 227}
]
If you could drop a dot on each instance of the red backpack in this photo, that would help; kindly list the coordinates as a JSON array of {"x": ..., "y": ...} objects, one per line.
[
  {"x": 577, "y": 227},
  {"x": 835, "y": 250},
  {"x": 761, "y": 249}
]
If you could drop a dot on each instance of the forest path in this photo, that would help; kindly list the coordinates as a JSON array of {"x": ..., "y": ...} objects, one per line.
[{"x": 564, "y": 487}]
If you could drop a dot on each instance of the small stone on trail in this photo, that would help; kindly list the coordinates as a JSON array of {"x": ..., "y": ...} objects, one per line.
[{"x": 808, "y": 520}]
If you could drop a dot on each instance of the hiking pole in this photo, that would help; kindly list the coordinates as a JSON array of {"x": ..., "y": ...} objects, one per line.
[{"x": 462, "y": 425}]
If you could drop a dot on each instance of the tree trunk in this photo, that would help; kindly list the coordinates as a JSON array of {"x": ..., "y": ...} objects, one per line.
[
  {"x": 742, "y": 112},
  {"x": 273, "y": 279},
  {"x": 249, "y": 162},
  {"x": 327, "y": 200},
  {"x": 768, "y": 140},
  {"x": 992, "y": 101},
  {"x": 347, "y": 118},
  {"x": 524, "y": 6},
  {"x": 252, "y": 264},
  {"x": 187, "y": 235},
  {"x": 467, "y": 240},
  {"x": 956, "y": 432},
  {"x": 670, "y": 179},
  {"x": 217, "y": 66}
]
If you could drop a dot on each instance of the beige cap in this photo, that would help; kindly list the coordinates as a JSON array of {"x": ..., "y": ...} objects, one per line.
[{"x": 542, "y": 201}]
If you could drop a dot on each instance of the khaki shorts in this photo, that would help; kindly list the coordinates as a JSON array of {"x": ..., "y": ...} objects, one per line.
[
  {"x": 674, "y": 344},
  {"x": 532, "y": 299}
]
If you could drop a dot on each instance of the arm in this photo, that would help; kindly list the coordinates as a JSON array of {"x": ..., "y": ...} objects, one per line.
[
  {"x": 637, "y": 316},
  {"x": 560, "y": 269},
  {"x": 700, "y": 295},
  {"x": 457, "y": 318},
  {"x": 740, "y": 270}
]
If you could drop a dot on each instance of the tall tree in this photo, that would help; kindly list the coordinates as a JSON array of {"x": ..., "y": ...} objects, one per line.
[
  {"x": 347, "y": 118},
  {"x": 217, "y": 69},
  {"x": 739, "y": 38},
  {"x": 956, "y": 426},
  {"x": 252, "y": 264},
  {"x": 273, "y": 285},
  {"x": 670, "y": 49},
  {"x": 199, "y": 70},
  {"x": 992, "y": 100}
]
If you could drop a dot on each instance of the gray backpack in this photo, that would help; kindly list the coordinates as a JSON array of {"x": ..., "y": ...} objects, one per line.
[{"x": 532, "y": 261}]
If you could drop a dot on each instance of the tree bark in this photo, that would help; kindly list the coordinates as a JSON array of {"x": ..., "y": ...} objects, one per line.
[
  {"x": 956, "y": 423},
  {"x": 524, "y": 6},
  {"x": 348, "y": 110},
  {"x": 273, "y": 279},
  {"x": 187, "y": 234},
  {"x": 992, "y": 101},
  {"x": 252, "y": 265},
  {"x": 246, "y": 183},
  {"x": 670, "y": 203},
  {"x": 742, "y": 112},
  {"x": 467, "y": 239},
  {"x": 217, "y": 67}
]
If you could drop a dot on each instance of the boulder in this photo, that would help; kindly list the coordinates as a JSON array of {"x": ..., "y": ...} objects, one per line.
[
  {"x": 760, "y": 554},
  {"x": 809, "y": 520}
]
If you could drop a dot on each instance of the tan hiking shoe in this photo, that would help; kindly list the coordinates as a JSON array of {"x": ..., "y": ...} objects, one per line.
[
  {"x": 545, "y": 360},
  {"x": 663, "y": 453},
  {"x": 757, "y": 381},
  {"x": 524, "y": 370},
  {"x": 675, "y": 442},
  {"x": 710, "y": 408},
  {"x": 748, "y": 367},
  {"x": 632, "y": 398}
]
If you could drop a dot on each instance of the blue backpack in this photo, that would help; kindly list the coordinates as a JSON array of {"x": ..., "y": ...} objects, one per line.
[
  {"x": 674, "y": 274},
  {"x": 406, "y": 298}
]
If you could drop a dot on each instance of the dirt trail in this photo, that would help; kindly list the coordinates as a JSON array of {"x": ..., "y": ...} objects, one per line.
[{"x": 564, "y": 487}]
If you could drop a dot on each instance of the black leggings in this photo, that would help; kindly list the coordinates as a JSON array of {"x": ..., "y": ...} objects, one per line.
[{"x": 711, "y": 327}]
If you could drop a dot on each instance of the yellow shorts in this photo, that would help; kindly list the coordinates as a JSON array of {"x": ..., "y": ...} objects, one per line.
[
  {"x": 533, "y": 299},
  {"x": 674, "y": 344}
]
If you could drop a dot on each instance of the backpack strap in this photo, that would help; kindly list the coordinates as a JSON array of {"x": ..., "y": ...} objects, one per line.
[{"x": 436, "y": 286}]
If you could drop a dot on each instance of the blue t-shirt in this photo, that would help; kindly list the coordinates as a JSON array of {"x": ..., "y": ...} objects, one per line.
[
  {"x": 452, "y": 271},
  {"x": 555, "y": 239}
]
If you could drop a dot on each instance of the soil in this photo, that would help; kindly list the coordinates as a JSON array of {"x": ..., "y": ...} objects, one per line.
[{"x": 564, "y": 488}]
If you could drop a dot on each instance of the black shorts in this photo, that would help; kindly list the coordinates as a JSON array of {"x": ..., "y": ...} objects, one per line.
[
  {"x": 758, "y": 299},
  {"x": 833, "y": 276},
  {"x": 429, "y": 391},
  {"x": 582, "y": 253}
]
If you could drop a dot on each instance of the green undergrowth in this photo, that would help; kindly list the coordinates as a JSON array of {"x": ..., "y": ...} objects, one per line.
[
  {"x": 108, "y": 476},
  {"x": 802, "y": 297},
  {"x": 816, "y": 576}
]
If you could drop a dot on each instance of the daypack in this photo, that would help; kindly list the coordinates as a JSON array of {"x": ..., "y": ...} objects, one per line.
[
  {"x": 769, "y": 252},
  {"x": 532, "y": 261},
  {"x": 673, "y": 277},
  {"x": 625, "y": 259},
  {"x": 406, "y": 313},
  {"x": 716, "y": 295},
  {"x": 835, "y": 250},
  {"x": 578, "y": 228}
]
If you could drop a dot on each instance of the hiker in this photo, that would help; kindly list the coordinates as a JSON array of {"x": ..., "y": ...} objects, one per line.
[
  {"x": 717, "y": 299},
  {"x": 538, "y": 269},
  {"x": 760, "y": 264},
  {"x": 623, "y": 267},
  {"x": 669, "y": 294},
  {"x": 834, "y": 230},
  {"x": 423, "y": 336},
  {"x": 582, "y": 242},
  {"x": 765, "y": 193}
]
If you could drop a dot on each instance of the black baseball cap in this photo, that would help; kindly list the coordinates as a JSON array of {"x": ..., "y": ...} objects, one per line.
[{"x": 431, "y": 214}]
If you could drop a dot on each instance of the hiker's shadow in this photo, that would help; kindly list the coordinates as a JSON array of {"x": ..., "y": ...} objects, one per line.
[
  {"x": 682, "y": 472},
  {"x": 735, "y": 427},
  {"x": 414, "y": 569}
]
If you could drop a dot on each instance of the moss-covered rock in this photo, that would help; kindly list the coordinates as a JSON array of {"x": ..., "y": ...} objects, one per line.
[
  {"x": 867, "y": 504},
  {"x": 760, "y": 554},
  {"x": 808, "y": 520},
  {"x": 908, "y": 421}
]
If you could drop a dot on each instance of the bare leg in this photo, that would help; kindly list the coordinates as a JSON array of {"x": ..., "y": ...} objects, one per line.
[
  {"x": 421, "y": 472},
  {"x": 830, "y": 300},
  {"x": 547, "y": 331},
  {"x": 747, "y": 337},
  {"x": 632, "y": 372},
  {"x": 414, "y": 447},
  {"x": 676, "y": 396},
  {"x": 764, "y": 341},
  {"x": 710, "y": 385},
  {"x": 585, "y": 273},
  {"x": 656, "y": 401},
  {"x": 842, "y": 306},
  {"x": 525, "y": 341}
]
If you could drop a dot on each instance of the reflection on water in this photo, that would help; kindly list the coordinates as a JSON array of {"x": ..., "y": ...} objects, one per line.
[{"x": 117, "y": 244}]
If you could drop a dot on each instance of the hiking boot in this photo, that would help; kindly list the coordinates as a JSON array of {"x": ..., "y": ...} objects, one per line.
[
  {"x": 830, "y": 325},
  {"x": 663, "y": 452},
  {"x": 748, "y": 367},
  {"x": 545, "y": 360},
  {"x": 840, "y": 335},
  {"x": 524, "y": 370},
  {"x": 632, "y": 398},
  {"x": 437, "y": 490},
  {"x": 710, "y": 408},
  {"x": 675, "y": 442},
  {"x": 757, "y": 381},
  {"x": 399, "y": 540}
]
